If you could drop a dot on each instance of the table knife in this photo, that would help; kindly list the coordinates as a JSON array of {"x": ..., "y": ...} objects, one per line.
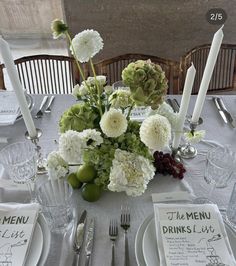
[
  {"x": 220, "y": 110},
  {"x": 169, "y": 101},
  {"x": 176, "y": 105},
  {"x": 79, "y": 235},
  {"x": 226, "y": 112},
  {"x": 89, "y": 241}
]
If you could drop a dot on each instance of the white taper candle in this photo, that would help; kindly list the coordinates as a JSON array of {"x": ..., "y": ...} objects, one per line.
[
  {"x": 188, "y": 85},
  {"x": 206, "y": 78},
  {"x": 14, "y": 78}
]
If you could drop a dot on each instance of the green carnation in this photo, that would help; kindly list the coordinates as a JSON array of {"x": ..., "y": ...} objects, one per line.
[
  {"x": 147, "y": 83},
  {"x": 79, "y": 117}
]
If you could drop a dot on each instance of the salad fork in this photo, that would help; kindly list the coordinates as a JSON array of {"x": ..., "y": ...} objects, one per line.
[
  {"x": 125, "y": 224},
  {"x": 113, "y": 233}
]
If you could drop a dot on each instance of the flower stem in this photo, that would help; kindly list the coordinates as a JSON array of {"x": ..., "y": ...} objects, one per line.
[{"x": 130, "y": 109}]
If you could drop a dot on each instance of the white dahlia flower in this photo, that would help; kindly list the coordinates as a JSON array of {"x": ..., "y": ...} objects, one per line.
[
  {"x": 113, "y": 123},
  {"x": 155, "y": 132}
]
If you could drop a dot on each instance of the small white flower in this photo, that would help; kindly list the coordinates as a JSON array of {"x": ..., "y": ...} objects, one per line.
[
  {"x": 91, "y": 137},
  {"x": 113, "y": 123},
  {"x": 165, "y": 110},
  {"x": 75, "y": 91},
  {"x": 71, "y": 146},
  {"x": 108, "y": 89},
  {"x": 58, "y": 28},
  {"x": 196, "y": 137},
  {"x": 120, "y": 98},
  {"x": 155, "y": 132},
  {"x": 130, "y": 173},
  {"x": 56, "y": 166},
  {"x": 100, "y": 79},
  {"x": 86, "y": 45}
]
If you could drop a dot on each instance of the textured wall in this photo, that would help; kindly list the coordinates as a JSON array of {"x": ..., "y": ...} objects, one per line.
[
  {"x": 28, "y": 18},
  {"x": 164, "y": 28}
]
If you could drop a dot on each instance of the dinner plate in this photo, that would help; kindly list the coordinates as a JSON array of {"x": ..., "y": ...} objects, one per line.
[
  {"x": 30, "y": 102},
  {"x": 149, "y": 243},
  {"x": 36, "y": 246}
]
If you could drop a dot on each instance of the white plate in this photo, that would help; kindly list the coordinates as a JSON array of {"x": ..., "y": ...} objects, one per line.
[
  {"x": 149, "y": 244},
  {"x": 139, "y": 239},
  {"x": 36, "y": 246},
  {"x": 46, "y": 240}
]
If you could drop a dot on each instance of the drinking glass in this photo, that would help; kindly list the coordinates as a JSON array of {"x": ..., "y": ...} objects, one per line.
[
  {"x": 20, "y": 161},
  {"x": 231, "y": 210},
  {"x": 54, "y": 196}
]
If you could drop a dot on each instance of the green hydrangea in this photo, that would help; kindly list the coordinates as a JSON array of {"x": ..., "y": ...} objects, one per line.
[
  {"x": 147, "y": 83},
  {"x": 79, "y": 117}
]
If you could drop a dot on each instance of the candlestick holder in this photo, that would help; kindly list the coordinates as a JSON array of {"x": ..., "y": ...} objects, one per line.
[
  {"x": 41, "y": 162},
  {"x": 175, "y": 153},
  {"x": 187, "y": 151}
]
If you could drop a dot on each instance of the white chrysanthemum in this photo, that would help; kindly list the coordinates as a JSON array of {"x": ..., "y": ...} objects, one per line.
[
  {"x": 197, "y": 137},
  {"x": 120, "y": 98},
  {"x": 86, "y": 45},
  {"x": 100, "y": 79},
  {"x": 113, "y": 123},
  {"x": 91, "y": 137},
  {"x": 71, "y": 146},
  {"x": 58, "y": 28},
  {"x": 166, "y": 111},
  {"x": 130, "y": 173},
  {"x": 155, "y": 132},
  {"x": 56, "y": 166}
]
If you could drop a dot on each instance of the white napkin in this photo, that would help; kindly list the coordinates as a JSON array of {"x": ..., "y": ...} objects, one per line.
[
  {"x": 14, "y": 206},
  {"x": 9, "y": 108}
]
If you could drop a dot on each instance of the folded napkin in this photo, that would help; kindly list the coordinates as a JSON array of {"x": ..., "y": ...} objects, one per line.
[
  {"x": 9, "y": 108},
  {"x": 17, "y": 223},
  {"x": 191, "y": 234}
]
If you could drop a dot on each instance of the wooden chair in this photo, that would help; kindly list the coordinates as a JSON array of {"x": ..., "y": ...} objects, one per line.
[
  {"x": 112, "y": 68},
  {"x": 46, "y": 74},
  {"x": 224, "y": 74}
]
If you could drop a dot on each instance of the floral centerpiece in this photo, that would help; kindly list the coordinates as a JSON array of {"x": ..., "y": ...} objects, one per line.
[{"x": 115, "y": 152}]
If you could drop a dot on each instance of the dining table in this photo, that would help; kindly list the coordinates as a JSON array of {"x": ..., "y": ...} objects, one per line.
[{"x": 109, "y": 205}]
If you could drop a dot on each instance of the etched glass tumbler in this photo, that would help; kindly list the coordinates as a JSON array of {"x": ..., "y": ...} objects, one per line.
[{"x": 20, "y": 161}]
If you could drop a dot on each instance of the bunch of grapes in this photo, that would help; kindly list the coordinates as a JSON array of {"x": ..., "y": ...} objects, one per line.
[{"x": 166, "y": 164}]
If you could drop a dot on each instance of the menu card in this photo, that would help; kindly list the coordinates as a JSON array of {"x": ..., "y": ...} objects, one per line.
[
  {"x": 16, "y": 230},
  {"x": 191, "y": 235},
  {"x": 9, "y": 108}
]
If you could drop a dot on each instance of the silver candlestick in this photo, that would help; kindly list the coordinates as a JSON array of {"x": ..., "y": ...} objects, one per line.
[
  {"x": 41, "y": 162},
  {"x": 187, "y": 151}
]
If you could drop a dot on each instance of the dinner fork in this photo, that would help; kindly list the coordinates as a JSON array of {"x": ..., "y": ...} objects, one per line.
[
  {"x": 113, "y": 233},
  {"x": 40, "y": 113},
  {"x": 125, "y": 224}
]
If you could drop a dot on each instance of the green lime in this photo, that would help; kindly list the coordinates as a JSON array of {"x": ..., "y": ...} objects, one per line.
[
  {"x": 73, "y": 180},
  {"x": 91, "y": 192},
  {"x": 86, "y": 173}
]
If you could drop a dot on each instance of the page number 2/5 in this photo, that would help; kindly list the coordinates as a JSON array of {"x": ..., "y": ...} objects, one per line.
[{"x": 216, "y": 16}]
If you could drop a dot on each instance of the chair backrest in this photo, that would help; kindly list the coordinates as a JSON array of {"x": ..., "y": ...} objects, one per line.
[
  {"x": 224, "y": 74},
  {"x": 47, "y": 74},
  {"x": 112, "y": 68}
]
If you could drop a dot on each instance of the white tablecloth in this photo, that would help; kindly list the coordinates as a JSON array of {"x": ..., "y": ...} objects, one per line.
[{"x": 109, "y": 205}]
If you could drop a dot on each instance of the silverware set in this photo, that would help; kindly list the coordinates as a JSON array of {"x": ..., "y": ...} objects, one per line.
[
  {"x": 223, "y": 111},
  {"x": 79, "y": 239},
  {"x": 43, "y": 104},
  {"x": 113, "y": 233}
]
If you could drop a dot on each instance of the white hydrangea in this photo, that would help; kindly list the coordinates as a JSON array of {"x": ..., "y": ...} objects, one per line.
[
  {"x": 113, "y": 123},
  {"x": 166, "y": 111},
  {"x": 120, "y": 98},
  {"x": 197, "y": 137},
  {"x": 91, "y": 137},
  {"x": 56, "y": 166},
  {"x": 86, "y": 45},
  {"x": 155, "y": 132},
  {"x": 71, "y": 146},
  {"x": 100, "y": 79},
  {"x": 130, "y": 173}
]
